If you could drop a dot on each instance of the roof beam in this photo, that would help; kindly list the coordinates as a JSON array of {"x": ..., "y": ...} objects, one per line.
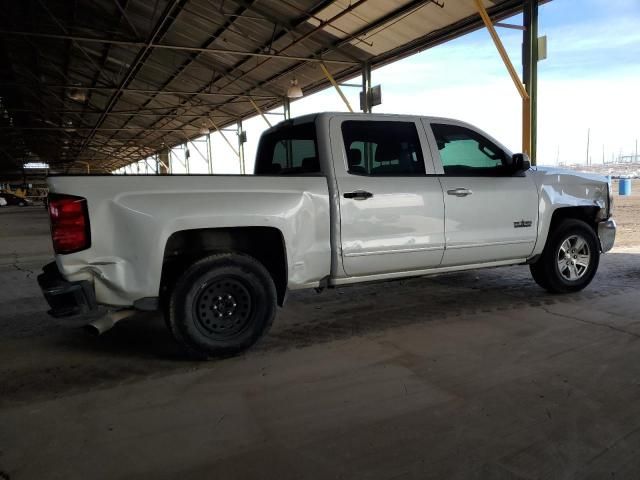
[
  {"x": 149, "y": 112},
  {"x": 432, "y": 39},
  {"x": 105, "y": 53},
  {"x": 161, "y": 27},
  {"x": 98, "y": 129},
  {"x": 288, "y": 28},
  {"x": 180, "y": 48},
  {"x": 299, "y": 22},
  {"x": 141, "y": 90},
  {"x": 194, "y": 55}
]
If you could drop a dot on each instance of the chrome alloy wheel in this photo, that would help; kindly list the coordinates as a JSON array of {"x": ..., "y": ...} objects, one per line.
[{"x": 573, "y": 258}]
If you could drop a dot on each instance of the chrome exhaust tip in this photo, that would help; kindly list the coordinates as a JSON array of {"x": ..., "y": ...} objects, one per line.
[{"x": 107, "y": 322}]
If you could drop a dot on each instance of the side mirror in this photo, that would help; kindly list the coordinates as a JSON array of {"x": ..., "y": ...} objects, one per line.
[{"x": 520, "y": 162}]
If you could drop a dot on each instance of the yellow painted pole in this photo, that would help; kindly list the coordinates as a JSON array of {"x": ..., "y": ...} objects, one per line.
[
  {"x": 225, "y": 138},
  {"x": 526, "y": 103},
  {"x": 336, "y": 86},
  {"x": 501, "y": 50},
  {"x": 259, "y": 111}
]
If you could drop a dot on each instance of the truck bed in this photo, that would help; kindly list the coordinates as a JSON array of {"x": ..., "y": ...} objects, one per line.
[{"x": 131, "y": 218}]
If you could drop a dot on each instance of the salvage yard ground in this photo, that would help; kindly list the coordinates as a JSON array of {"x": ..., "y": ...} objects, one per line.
[{"x": 469, "y": 375}]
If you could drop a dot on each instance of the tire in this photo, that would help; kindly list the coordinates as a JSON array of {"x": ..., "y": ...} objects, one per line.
[
  {"x": 539, "y": 274},
  {"x": 221, "y": 305},
  {"x": 556, "y": 270}
]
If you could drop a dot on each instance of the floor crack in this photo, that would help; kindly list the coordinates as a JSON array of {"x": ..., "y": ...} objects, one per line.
[
  {"x": 15, "y": 265},
  {"x": 590, "y": 322}
]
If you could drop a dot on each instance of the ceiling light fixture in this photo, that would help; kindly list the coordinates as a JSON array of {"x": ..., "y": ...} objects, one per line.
[
  {"x": 78, "y": 94},
  {"x": 294, "y": 90},
  {"x": 204, "y": 130}
]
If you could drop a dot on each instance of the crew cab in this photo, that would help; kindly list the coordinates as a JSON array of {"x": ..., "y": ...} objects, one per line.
[{"x": 335, "y": 199}]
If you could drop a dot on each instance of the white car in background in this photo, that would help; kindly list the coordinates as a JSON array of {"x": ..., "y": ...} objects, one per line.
[{"x": 3, "y": 202}]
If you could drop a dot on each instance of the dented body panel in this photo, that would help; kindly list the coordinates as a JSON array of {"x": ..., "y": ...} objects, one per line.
[
  {"x": 132, "y": 218},
  {"x": 559, "y": 189}
]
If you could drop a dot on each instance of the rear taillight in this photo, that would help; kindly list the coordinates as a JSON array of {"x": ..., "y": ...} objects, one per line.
[{"x": 69, "y": 223}]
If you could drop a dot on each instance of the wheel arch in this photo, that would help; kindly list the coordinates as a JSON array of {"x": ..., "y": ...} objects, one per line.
[
  {"x": 586, "y": 213},
  {"x": 265, "y": 244}
]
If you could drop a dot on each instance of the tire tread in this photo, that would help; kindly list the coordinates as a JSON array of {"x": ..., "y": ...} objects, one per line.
[{"x": 176, "y": 322}]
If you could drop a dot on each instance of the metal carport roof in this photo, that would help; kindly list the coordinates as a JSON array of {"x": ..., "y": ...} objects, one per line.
[{"x": 109, "y": 82}]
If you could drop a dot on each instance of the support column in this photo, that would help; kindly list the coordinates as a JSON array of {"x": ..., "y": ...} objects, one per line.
[
  {"x": 365, "y": 95},
  {"x": 224, "y": 137},
  {"x": 530, "y": 71},
  {"x": 241, "y": 147},
  {"x": 286, "y": 103},
  {"x": 163, "y": 161},
  {"x": 526, "y": 105},
  {"x": 187, "y": 156},
  {"x": 209, "y": 154}
]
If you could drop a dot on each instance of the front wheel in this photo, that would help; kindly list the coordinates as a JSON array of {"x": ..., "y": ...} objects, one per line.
[
  {"x": 570, "y": 258},
  {"x": 221, "y": 305}
]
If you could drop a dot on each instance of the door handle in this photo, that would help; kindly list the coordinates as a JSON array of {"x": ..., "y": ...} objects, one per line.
[
  {"x": 358, "y": 195},
  {"x": 460, "y": 192}
]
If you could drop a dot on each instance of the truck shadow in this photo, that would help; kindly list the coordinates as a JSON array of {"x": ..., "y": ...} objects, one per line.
[
  {"x": 142, "y": 335},
  {"x": 141, "y": 347},
  {"x": 365, "y": 309},
  {"x": 310, "y": 318}
]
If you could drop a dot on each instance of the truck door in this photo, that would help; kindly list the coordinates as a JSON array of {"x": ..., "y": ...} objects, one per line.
[
  {"x": 491, "y": 213},
  {"x": 391, "y": 212}
]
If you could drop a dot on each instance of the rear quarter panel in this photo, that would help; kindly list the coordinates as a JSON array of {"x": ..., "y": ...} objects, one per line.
[{"x": 132, "y": 218}]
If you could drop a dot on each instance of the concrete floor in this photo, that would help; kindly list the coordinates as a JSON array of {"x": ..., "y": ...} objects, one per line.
[{"x": 464, "y": 376}]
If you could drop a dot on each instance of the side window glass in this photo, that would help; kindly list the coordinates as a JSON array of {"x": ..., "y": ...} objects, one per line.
[
  {"x": 382, "y": 148},
  {"x": 290, "y": 150},
  {"x": 464, "y": 152},
  {"x": 291, "y": 153}
]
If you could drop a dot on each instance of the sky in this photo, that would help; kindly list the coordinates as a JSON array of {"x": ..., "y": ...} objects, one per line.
[{"x": 589, "y": 82}]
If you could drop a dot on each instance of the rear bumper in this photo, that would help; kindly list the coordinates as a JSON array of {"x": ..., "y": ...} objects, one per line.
[
  {"x": 607, "y": 234},
  {"x": 70, "y": 301}
]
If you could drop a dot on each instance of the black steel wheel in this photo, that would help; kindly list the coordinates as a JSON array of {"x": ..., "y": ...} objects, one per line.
[
  {"x": 221, "y": 305},
  {"x": 570, "y": 258}
]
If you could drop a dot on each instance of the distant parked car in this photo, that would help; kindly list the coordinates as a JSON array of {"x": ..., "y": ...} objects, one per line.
[
  {"x": 3, "y": 202},
  {"x": 12, "y": 199}
]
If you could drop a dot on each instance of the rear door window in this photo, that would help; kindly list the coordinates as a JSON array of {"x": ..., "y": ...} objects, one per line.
[{"x": 382, "y": 148}]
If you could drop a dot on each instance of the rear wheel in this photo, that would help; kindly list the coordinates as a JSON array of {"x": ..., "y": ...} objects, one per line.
[
  {"x": 570, "y": 258},
  {"x": 221, "y": 305}
]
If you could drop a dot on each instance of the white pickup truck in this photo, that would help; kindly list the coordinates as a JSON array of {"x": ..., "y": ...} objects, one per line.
[{"x": 335, "y": 199}]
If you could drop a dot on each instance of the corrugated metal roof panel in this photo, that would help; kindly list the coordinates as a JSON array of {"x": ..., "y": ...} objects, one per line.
[{"x": 139, "y": 99}]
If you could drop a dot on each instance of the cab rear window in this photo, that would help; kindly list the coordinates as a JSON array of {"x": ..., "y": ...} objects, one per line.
[{"x": 289, "y": 150}]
